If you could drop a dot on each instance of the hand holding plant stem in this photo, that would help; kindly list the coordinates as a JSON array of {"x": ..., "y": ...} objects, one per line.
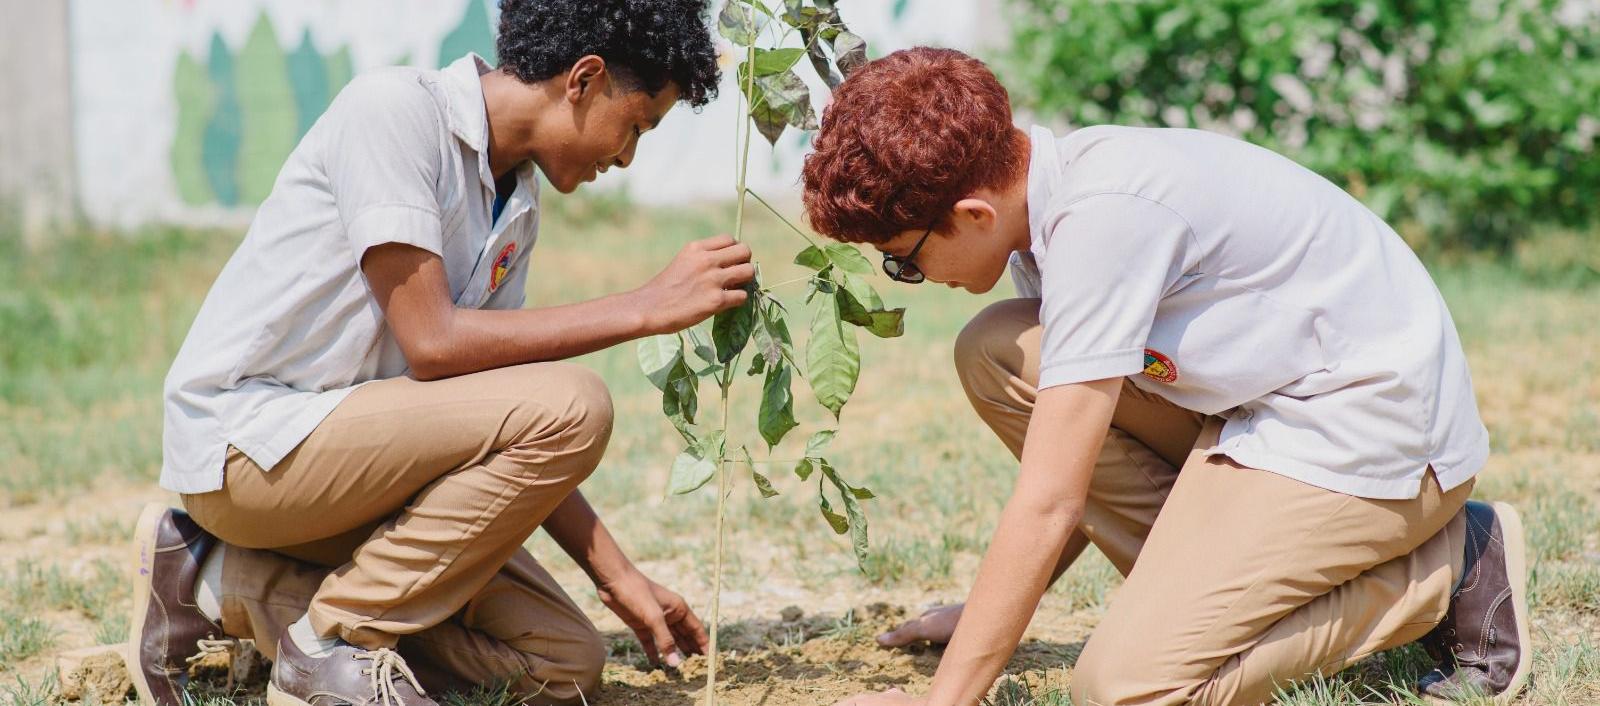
[{"x": 776, "y": 99}]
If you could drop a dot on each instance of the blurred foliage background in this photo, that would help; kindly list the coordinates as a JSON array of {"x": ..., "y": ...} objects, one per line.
[{"x": 1468, "y": 124}]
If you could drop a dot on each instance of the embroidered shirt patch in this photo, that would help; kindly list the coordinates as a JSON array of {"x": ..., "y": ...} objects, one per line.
[
  {"x": 1159, "y": 367},
  {"x": 502, "y": 266}
]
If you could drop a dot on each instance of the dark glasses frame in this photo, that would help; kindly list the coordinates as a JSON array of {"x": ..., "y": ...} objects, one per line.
[{"x": 904, "y": 269}]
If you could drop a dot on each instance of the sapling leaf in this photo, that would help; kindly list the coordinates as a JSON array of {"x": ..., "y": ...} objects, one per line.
[
  {"x": 850, "y": 52},
  {"x": 658, "y": 355},
  {"x": 776, "y": 101},
  {"x": 835, "y": 520},
  {"x": 818, "y": 442},
  {"x": 833, "y": 357},
  {"x": 862, "y": 493},
  {"x": 776, "y": 417},
  {"x": 730, "y": 329},
  {"x": 819, "y": 59},
  {"x": 680, "y": 400},
  {"x": 860, "y": 304},
  {"x": 697, "y": 464},
  {"x": 811, "y": 257},
  {"x": 737, "y": 23},
  {"x": 758, "y": 363},
  {"x": 699, "y": 338},
  {"x": 857, "y": 519},
  {"x": 804, "y": 468},
  {"x": 775, "y": 61},
  {"x": 762, "y": 483},
  {"x": 848, "y": 258},
  {"x": 772, "y": 335}
]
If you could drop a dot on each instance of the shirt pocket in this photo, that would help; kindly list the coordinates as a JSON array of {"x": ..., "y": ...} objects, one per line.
[
  {"x": 493, "y": 269},
  {"x": 1222, "y": 350}
]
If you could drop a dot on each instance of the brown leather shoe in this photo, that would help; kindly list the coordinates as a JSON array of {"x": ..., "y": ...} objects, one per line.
[
  {"x": 167, "y": 631},
  {"x": 351, "y": 676},
  {"x": 1482, "y": 647}
]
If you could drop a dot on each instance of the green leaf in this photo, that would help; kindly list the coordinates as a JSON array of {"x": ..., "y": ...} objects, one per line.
[
  {"x": 730, "y": 330},
  {"x": 886, "y": 324},
  {"x": 681, "y": 398},
  {"x": 811, "y": 257},
  {"x": 818, "y": 442},
  {"x": 774, "y": 61},
  {"x": 776, "y": 418},
  {"x": 862, "y": 493},
  {"x": 772, "y": 335},
  {"x": 833, "y": 358},
  {"x": 857, "y": 519},
  {"x": 699, "y": 338},
  {"x": 850, "y": 52},
  {"x": 658, "y": 355},
  {"x": 804, "y": 468},
  {"x": 758, "y": 363},
  {"x": 862, "y": 291},
  {"x": 848, "y": 258},
  {"x": 737, "y": 23},
  {"x": 697, "y": 464},
  {"x": 762, "y": 483},
  {"x": 860, "y": 304}
]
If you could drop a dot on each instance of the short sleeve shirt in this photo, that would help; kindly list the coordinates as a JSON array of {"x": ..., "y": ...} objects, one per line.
[
  {"x": 1234, "y": 282},
  {"x": 290, "y": 326}
]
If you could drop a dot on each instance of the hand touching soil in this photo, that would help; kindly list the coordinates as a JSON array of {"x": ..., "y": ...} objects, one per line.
[{"x": 935, "y": 626}]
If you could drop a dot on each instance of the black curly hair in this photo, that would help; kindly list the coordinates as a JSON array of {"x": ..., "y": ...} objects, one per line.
[{"x": 647, "y": 42}]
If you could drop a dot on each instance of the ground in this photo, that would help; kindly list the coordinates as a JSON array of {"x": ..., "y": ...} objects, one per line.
[{"x": 90, "y": 324}]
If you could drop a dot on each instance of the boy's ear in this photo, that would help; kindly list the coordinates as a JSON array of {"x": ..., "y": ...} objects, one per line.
[
  {"x": 588, "y": 75},
  {"x": 972, "y": 211}
]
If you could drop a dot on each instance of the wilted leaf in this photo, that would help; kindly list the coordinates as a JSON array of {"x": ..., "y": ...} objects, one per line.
[
  {"x": 850, "y": 52},
  {"x": 857, "y": 518},
  {"x": 833, "y": 358},
  {"x": 658, "y": 355},
  {"x": 835, "y": 520},
  {"x": 777, "y": 406},
  {"x": 772, "y": 335},
  {"x": 762, "y": 483},
  {"x": 737, "y": 23},
  {"x": 777, "y": 101},
  {"x": 699, "y": 338}
]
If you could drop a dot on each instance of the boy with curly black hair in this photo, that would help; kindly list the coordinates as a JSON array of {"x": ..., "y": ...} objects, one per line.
[{"x": 364, "y": 422}]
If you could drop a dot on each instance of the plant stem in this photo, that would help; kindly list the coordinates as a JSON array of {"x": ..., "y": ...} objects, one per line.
[
  {"x": 723, "y": 479},
  {"x": 774, "y": 211}
]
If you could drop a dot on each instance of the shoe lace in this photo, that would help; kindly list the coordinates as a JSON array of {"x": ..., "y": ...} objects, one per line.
[
  {"x": 209, "y": 645},
  {"x": 386, "y": 664}
]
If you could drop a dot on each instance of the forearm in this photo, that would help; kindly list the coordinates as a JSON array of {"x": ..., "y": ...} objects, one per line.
[
  {"x": 473, "y": 340},
  {"x": 580, "y": 533},
  {"x": 1075, "y": 545},
  {"x": 1014, "y": 574}
]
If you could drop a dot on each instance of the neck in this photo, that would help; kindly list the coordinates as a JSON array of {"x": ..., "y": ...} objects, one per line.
[
  {"x": 1014, "y": 203},
  {"x": 514, "y": 109}
]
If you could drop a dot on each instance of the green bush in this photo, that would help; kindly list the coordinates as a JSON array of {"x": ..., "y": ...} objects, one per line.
[{"x": 1468, "y": 122}]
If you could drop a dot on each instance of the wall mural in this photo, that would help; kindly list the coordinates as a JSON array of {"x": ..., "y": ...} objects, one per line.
[{"x": 241, "y": 110}]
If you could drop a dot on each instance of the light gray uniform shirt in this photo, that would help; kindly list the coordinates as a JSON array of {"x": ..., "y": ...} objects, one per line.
[
  {"x": 1232, "y": 281},
  {"x": 291, "y": 327}
]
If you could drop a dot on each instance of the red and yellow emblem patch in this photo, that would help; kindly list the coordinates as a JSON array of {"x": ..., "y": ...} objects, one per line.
[
  {"x": 502, "y": 266},
  {"x": 1159, "y": 367}
]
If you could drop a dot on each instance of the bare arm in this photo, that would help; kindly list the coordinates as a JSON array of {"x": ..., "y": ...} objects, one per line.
[
  {"x": 442, "y": 340},
  {"x": 661, "y": 619},
  {"x": 1064, "y": 436}
]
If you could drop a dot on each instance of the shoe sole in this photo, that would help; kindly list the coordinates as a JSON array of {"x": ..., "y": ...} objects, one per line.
[
  {"x": 278, "y": 698},
  {"x": 1516, "y": 548},
  {"x": 143, "y": 552}
]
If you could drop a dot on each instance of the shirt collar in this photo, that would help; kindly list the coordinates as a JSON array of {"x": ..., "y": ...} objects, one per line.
[
  {"x": 468, "y": 119},
  {"x": 1044, "y": 176}
]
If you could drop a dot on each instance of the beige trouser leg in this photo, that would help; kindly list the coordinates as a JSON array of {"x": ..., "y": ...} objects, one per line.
[
  {"x": 418, "y": 496},
  {"x": 1245, "y": 580}
]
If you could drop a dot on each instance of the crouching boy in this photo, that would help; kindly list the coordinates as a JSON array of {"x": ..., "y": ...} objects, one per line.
[{"x": 1225, "y": 372}]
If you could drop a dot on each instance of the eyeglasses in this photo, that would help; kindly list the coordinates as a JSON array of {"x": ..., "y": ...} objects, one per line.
[{"x": 904, "y": 269}]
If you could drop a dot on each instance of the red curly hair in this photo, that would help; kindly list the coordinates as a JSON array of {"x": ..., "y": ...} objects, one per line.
[{"x": 907, "y": 136}]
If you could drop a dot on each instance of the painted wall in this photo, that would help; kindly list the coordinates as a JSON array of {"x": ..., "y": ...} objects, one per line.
[
  {"x": 183, "y": 110},
  {"x": 36, "y": 164}
]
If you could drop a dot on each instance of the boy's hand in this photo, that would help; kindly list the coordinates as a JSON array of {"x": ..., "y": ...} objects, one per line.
[
  {"x": 661, "y": 619},
  {"x": 707, "y": 276},
  {"x": 936, "y": 626}
]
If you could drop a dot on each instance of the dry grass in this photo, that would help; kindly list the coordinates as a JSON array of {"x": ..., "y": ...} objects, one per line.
[{"x": 89, "y": 327}]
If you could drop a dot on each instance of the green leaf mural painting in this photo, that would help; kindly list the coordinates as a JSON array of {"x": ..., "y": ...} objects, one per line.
[{"x": 241, "y": 110}]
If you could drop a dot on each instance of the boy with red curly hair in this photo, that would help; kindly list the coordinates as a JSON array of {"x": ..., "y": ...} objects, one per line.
[{"x": 1222, "y": 370}]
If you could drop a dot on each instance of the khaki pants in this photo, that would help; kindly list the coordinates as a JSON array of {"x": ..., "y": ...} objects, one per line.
[
  {"x": 400, "y": 522},
  {"x": 1238, "y": 581}
]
